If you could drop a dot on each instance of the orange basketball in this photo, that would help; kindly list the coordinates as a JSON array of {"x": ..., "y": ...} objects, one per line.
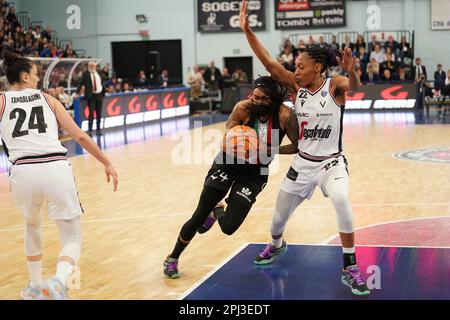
[{"x": 242, "y": 141}]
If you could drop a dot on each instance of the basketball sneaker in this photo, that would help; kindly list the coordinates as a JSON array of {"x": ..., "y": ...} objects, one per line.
[
  {"x": 352, "y": 277},
  {"x": 171, "y": 268},
  {"x": 30, "y": 293},
  {"x": 210, "y": 220},
  {"x": 269, "y": 253},
  {"x": 54, "y": 289}
]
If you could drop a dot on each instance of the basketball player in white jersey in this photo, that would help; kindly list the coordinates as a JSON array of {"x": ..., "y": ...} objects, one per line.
[
  {"x": 29, "y": 122},
  {"x": 319, "y": 105}
]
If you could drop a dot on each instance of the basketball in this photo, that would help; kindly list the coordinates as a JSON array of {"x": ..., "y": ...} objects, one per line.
[{"x": 242, "y": 141}]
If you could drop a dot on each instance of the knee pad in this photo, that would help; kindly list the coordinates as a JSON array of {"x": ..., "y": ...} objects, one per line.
[
  {"x": 344, "y": 212},
  {"x": 70, "y": 237}
]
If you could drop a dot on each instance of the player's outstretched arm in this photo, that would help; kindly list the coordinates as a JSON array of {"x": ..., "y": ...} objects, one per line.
[
  {"x": 277, "y": 71},
  {"x": 67, "y": 123}
]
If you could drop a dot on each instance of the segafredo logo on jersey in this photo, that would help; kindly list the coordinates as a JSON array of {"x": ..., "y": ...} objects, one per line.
[
  {"x": 316, "y": 133},
  {"x": 436, "y": 155}
]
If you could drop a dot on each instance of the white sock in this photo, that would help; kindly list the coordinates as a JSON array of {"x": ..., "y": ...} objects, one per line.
[
  {"x": 349, "y": 250},
  {"x": 63, "y": 271},
  {"x": 35, "y": 271},
  {"x": 277, "y": 242}
]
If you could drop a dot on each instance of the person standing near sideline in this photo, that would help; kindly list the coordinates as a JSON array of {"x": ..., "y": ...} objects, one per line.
[{"x": 93, "y": 83}]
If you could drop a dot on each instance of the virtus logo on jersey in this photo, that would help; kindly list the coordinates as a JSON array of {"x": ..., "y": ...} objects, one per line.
[{"x": 316, "y": 133}]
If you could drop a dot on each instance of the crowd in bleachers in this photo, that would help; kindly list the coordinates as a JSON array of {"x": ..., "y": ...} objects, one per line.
[
  {"x": 35, "y": 41},
  {"x": 376, "y": 61}
]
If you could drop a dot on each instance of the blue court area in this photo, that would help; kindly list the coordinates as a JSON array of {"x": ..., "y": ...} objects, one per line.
[{"x": 310, "y": 272}]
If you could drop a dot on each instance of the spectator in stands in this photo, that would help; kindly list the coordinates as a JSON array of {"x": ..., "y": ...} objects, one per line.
[
  {"x": 389, "y": 64},
  {"x": 447, "y": 80},
  {"x": 92, "y": 84},
  {"x": 239, "y": 77},
  {"x": 348, "y": 44},
  {"x": 163, "y": 80},
  {"x": 363, "y": 57},
  {"x": 105, "y": 71},
  {"x": 47, "y": 33},
  {"x": 372, "y": 75},
  {"x": 334, "y": 45},
  {"x": 404, "y": 48},
  {"x": 287, "y": 58},
  {"x": 373, "y": 43},
  {"x": 118, "y": 85},
  {"x": 286, "y": 43},
  {"x": 68, "y": 52},
  {"x": 439, "y": 78},
  {"x": 391, "y": 43},
  {"x": 51, "y": 51},
  {"x": 389, "y": 52},
  {"x": 402, "y": 75},
  {"x": 109, "y": 89},
  {"x": 12, "y": 18},
  {"x": 301, "y": 46},
  {"x": 28, "y": 49},
  {"x": 62, "y": 79},
  {"x": 226, "y": 81},
  {"x": 377, "y": 54},
  {"x": 37, "y": 33},
  {"x": 212, "y": 77},
  {"x": 375, "y": 66},
  {"x": 360, "y": 43},
  {"x": 141, "y": 81},
  {"x": 127, "y": 87},
  {"x": 195, "y": 81},
  {"x": 420, "y": 70},
  {"x": 387, "y": 76}
]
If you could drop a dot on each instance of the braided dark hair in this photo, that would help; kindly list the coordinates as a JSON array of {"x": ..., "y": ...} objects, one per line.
[
  {"x": 325, "y": 56},
  {"x": 275, "y": 91}
]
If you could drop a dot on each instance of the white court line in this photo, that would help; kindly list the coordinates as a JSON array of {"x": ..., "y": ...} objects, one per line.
[
  {"x": 384, "y": 223},
  {"x": 209, "y": 274},
  {"x": 163, "y": 215}
]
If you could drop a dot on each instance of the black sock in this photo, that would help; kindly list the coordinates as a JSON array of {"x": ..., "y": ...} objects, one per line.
[
  {"x": 349, "y": 260},
  {"x": 179, "y": 248}
]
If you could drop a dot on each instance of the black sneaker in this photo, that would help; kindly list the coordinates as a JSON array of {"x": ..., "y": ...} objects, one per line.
[
  {"x": 269, "y": 253},
  {"x": 352, "y": 277},
  {"x": 171, "y": 268}
]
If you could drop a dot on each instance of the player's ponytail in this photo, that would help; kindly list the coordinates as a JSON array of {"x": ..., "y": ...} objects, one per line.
[{"x": 14, "y": 65}]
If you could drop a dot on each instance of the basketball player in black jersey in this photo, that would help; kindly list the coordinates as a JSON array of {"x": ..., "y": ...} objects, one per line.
[{"x": 264, "y": 108}]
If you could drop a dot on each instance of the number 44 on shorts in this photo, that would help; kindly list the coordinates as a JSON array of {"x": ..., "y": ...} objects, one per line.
[{"x": 222, "y": 175}]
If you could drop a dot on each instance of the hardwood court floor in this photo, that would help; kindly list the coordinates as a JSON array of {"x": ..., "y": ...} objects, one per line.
[{"x": 126, "y": 235}]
